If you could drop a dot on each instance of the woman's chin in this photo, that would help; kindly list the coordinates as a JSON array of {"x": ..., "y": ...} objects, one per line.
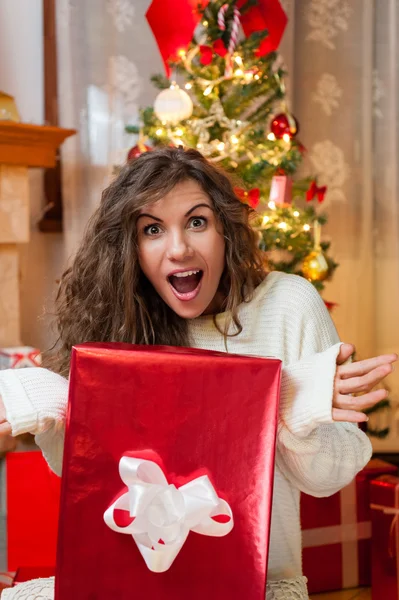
[{"x": 188, "y": 310}]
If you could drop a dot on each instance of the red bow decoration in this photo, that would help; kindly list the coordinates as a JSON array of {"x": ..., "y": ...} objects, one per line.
[
  {"x": 252, "y": 197},
  {"x": 19, "y": 357},
  {"x": 330, "y": 305},
  {"x": 173, "y": 24},
  {"x": 207, "y": 52},
  {"x": 314, "y": 190}
]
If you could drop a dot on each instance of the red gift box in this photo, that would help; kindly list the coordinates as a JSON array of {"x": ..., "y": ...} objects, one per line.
[
  {"x": 200, "y": 413},
  {"x": 384, "y": 504},
  {"x": 30, "y": 510},
  {"x": 281, "y": 190},
  {"x": 336, "y": 533}
]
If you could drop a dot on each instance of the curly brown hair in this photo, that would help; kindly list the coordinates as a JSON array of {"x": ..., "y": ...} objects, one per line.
[{"x": 104, "y": 296}]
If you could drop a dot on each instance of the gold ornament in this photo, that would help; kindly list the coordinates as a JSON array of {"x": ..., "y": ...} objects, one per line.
[{"x": 315, "y": 265}]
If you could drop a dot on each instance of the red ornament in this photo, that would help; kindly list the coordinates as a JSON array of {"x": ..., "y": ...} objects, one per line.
[
  {"x": 136, "y": 151},
  {"x": 314, "y": 190},
  {"x": 284, "y": 123},
  {"x": 252, "y": 197}
]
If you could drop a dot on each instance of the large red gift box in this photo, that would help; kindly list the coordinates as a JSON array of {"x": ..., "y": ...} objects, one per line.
[
  {"x": 336, "y": 533},
  {"x": 174, "y": 415},
  {"x": 29, "y": 511},
  {"x": 384, "y": 498}
]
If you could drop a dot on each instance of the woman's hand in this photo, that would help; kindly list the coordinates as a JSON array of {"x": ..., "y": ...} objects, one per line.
[
  {"x": 5, "y": 427},
  {"x": 355, "y": 378}
]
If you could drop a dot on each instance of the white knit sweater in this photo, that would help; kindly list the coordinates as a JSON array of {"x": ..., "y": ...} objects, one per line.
[{"x": 286, "y": 319}]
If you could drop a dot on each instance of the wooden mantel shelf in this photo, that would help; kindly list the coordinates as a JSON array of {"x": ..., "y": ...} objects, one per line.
[{"x": 30, "y": 145}]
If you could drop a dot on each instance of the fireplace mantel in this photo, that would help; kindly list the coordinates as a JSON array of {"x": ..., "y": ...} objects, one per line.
[{"x": 29, "y": 145}]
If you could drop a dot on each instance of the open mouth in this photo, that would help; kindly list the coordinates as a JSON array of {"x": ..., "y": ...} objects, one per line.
[{"x": 186, "y": 284}]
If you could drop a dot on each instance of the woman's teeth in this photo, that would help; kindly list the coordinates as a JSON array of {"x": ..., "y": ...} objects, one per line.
[{"x": 185, "y": 274}]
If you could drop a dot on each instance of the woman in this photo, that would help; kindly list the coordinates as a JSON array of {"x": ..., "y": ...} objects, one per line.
[{"x": 169, "y": 258}]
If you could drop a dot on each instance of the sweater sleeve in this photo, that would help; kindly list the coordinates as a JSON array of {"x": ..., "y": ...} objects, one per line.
[
  {"x": 319, "y": 456},
  {"x": 35, "y": 401},
  {"x": 36, "y": 589}
]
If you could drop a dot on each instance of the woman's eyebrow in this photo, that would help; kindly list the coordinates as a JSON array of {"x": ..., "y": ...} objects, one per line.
[
  {"x": 150, "y": 217},
  {"x": 197, "y": 206}
]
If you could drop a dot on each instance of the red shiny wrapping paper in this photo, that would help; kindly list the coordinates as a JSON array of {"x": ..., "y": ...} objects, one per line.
[
  {"x": 199, "y": 411},
  {"x": 336, "y": 533},
  {"x": 32, "y": 495},
  {"x": 384, "y": 503}
]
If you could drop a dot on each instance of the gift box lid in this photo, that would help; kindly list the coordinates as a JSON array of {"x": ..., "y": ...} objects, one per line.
[
  {"x": 200, "y": 412},
  {"x": 384, "y": 490},
  {"x": 376, "y": 466}
]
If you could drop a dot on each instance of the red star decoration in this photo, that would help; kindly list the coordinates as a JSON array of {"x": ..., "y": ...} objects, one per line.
[
  {"x": 268, "y": 14},
  {"x": 173, "y": 23}
]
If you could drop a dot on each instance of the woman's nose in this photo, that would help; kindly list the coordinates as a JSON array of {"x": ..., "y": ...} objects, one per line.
[{"x": 178, "y": 247}]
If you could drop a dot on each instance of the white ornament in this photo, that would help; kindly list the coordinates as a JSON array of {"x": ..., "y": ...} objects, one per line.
[{"x": 173, "y": 105}]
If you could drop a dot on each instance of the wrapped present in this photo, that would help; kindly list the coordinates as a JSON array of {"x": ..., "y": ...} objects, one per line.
[
  {"x": 384, "y": 504},
  {"x": 28, "y": 512},
  {"x": 175, "y": 448},
  {"x": 19, "y": 357},
  {"x": 336, "y": 533},
  {"x": 281, "y": 190}
]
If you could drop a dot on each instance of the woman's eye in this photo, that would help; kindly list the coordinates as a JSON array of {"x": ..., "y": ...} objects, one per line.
[
  {"x": 152, "y": 230},
  {"x": 197, "y": 222}
]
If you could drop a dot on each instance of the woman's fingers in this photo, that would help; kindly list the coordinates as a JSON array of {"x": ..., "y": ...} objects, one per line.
[
  {"x": 360, "y": 403},
  {"x": 365, "y": 383},
  {"x": 345, "y": 352},
  {"x": 362, "y": 367},
  {"x": 359, "y": 377},
  {"x": 348, "y": 416}
]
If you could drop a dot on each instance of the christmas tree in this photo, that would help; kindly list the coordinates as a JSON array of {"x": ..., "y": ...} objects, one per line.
[{"x": 231, "y": 105}]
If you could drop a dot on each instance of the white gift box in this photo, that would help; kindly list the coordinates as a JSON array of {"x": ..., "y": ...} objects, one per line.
[{"x": 19, "y": 357}]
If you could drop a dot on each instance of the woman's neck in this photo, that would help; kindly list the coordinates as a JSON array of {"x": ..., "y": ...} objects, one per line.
[{"x": 217, "y": 305}]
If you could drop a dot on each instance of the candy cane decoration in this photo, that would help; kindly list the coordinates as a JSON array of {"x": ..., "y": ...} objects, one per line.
[{"x": 234, "y": 28}]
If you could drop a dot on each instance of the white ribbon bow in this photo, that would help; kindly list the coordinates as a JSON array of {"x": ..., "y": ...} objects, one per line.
[{"x": 163, "y": 515}]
